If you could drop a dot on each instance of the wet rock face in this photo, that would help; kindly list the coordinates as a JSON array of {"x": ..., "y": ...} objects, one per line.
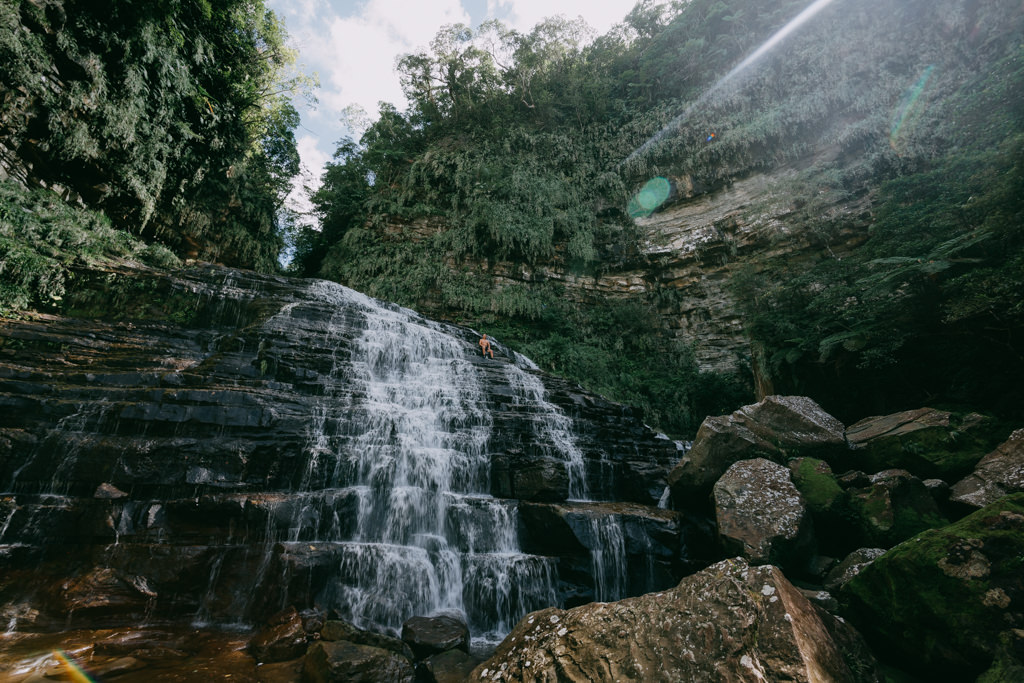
[
  {"x": 434, "y": 635},
  {"x": 217, "y": 445},
  {"x": 728, "y": 622},
  {"x": 944, "y": 597},
  {"x": 327, "y": 662},
  {"x": 606, "y": 551}
]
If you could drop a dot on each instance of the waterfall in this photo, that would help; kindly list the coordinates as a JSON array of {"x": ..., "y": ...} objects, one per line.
[
  {"x": 400, "y": 438},
  {"x": 608, "y": 558},
  {"x": 304, "y": 445},
  {"x": 554, "y": 427}
]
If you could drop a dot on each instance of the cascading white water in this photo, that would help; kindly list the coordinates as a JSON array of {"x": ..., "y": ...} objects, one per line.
[
  {"x": 403, "y": 426},
  {"x": 555, "y": 428},
  {"x": 608, "y": 558}
]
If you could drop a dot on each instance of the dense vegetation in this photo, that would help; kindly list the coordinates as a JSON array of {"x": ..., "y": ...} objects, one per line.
[
  {"x": 172, "y": 119},
  {"x": 519, "y": 153},
  {"x": 516, "y": 166}
]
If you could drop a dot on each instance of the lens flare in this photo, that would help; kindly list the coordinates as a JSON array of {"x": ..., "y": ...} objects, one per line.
[
  {"x": 652, "y": 195},
  {"x": 795, "y": 23},
  {"x": 73, "y": 670},
  {"x": 907, "y": 108}
]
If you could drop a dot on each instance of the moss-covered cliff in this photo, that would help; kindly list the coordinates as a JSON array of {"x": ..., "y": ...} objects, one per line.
[{"x": 839, "y": 217}]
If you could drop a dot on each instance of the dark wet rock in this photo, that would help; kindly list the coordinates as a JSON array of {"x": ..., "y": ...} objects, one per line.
[
  {"x": 118, "y": 667},
  {"x": 895, "y": 506},
  {"x": 1008, "y": 666},
  {"x": 195, "y": 399},
  {"x": 281, "y": 672},
  {"x": 651, "y": 541},
  {"x": 997, "y": 474},
  {"x": 335, "y": 629},
  {"x": 939, "y": 490},
  {"x": 105, "y": 591},
  {"x": 762, "y": 516},
  {"x": 284, "y": 639},
  {"x": 451, "y": 666},
  {"x": 777, "y": 428},
  {"x": 850, "y": 566},
  {"x": 728, "y": 622},
  {"x": 343, "y": 661},
  {"x": 822, "y": 599},
  {"x": 854, "y": 479},
  {"x": 313, "y": 620},
  {"x": 943, "y": 598},
  {"x": 432, "y": 635},
  {"x": 109, "y": 492},
  {"x": 929, "y": 443}
]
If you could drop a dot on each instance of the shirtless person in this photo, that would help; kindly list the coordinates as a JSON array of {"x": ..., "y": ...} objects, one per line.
[{"x": 485, "y": 346}]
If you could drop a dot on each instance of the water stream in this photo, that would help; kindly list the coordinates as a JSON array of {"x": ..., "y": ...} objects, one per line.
[{"x": 403, "y": 429}]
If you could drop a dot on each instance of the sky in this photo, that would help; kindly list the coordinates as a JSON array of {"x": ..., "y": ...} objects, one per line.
[{"x": 352, "y": 45}]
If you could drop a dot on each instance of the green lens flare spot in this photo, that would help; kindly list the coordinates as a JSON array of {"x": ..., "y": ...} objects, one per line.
[{"x": 653, "y": 194}]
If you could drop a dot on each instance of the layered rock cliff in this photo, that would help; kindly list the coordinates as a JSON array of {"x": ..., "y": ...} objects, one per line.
[
  {"x": 216, "y": 445},
  {"x": 687, "y": 254}
]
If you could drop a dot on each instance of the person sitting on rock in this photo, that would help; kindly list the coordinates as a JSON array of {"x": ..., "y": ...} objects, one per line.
[{"x": 485, "y": 346}]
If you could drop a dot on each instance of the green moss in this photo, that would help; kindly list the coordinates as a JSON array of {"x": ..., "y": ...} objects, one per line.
[
  {"x": 814, "y": 479},
  {"x": 942, "y": 597}
]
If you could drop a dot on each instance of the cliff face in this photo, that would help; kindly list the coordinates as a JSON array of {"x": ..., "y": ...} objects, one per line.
[
  {"x": 688, "y": 253},
  {"x": 218, "y": 445}
]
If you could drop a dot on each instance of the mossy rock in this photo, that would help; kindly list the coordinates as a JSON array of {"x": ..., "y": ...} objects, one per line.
[
  {"x": 828, "y": 503},
  {"x": 816, "y": 483},
  {"x": 941, "y": 599},
  {"x": 929, "y": 443},
  {"x": 1009, "y": 664},
  {"x": 895, "y": 506}
]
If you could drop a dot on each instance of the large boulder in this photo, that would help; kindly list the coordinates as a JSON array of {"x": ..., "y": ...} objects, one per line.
[
  {"x": 450, "y": 666},
  {"x": 337, "y": 661},
  {"x": 731, "y": 621},
  {"x": 827, "y": 502},
  {"x": 433, "y": 635},
  {"x": 930, "y": 443},
  {"x": 892, "y": 506},
  {"x": 335, "y": 629},
  {"x": 282, "y": 639},
  {"x": 850, "y": 566},
  {"x": 761, "y": 515},
  {"x": 777, "y": 428},
  {"x": 999, "y": 473},
  {"x": 943, "y": 598}
]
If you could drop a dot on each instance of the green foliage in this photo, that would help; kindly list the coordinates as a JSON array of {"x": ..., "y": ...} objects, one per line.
[
  {"x": 42, "y": 237},
  {"x": 519, "y": 151},
  {"x": 171, "y": 117},
  {"x": 936, "y": 285}
]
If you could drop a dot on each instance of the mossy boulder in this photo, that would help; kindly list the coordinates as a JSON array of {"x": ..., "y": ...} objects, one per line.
[
  {"x": 827, "y": 502},
  {"x": 999, "y": 473},
  {"x": 892, "y": 507},
  {"x": 928, "y": 442},
  {"x": 777, "y": 428},
  {"x": 1009, "y": 663},
  {"x": 943, "y": 599}
]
